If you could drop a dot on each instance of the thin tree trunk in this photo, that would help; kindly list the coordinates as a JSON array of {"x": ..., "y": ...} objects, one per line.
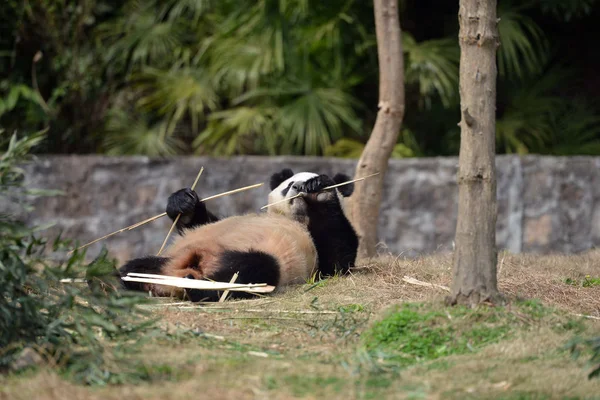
[
  {"x": 475, "y": 257},
  {"x": 365, "y": 202}
]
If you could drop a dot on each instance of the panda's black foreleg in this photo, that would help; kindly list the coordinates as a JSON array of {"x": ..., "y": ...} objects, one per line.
[
  {"x": 144, "y": 265},
  {"x": 193, "y": 212},
  {"x": 252, "y": 267},
  {"x": 335, "y": 238}
]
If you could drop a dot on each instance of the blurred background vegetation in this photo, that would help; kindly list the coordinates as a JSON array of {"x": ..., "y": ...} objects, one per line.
[{"x": 223, "y": 77}]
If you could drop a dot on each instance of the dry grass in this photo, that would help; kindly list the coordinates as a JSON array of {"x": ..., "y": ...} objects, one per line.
[{"x": 296, "y": 343}]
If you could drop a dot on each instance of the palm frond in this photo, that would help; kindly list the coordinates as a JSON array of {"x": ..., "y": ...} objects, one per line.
[
  {"x": 126, "y": 135},
  {"x": 175, "y": 93},
  {"x": 313, "y": 120},
  {"x": 523, "y": 46},
  {"x": 576, "y": 130},
  {"x": 239, "y": 130},
  {"x": 432, "y": 65},
  {"x": 239, "y": 63},
  {"x": 176, "y": 9},
  {"x": 526, "y": 125},
  {"x": 140, "y": 38}
]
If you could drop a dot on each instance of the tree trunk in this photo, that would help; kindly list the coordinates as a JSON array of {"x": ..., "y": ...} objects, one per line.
[
  {"x": 365, "y": 202},
  {"x": 475, "y": 257}
]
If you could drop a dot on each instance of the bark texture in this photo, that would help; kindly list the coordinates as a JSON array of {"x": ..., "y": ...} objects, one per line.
[
  {"x": 475, "y": 257},
  {"x": 365, "y": 202}
]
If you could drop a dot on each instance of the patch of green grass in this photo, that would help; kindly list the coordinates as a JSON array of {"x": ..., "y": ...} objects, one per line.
[
  {"x": 587, "y": 281},
  {"x": 302, "y": 386},
  {"x": 164, "y": 372},
  {"x": 576, "y": 325},
  {"x": 351, "y": 308},
  {"x": 378, "y": 382},
  {"x": 534, "y": 308},
  {"x": 440, "y": 365},
  {"x": 418, "y": 332}
]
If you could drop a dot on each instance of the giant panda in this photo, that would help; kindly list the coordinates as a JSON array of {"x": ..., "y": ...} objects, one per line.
[{"x": 286, "y": 245}]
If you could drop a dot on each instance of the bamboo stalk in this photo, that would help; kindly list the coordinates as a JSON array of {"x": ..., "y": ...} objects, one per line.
[
  {"x": 205, "y": 285},
  {"x": 154, "y": 218},
  {"x": 175, "y": 278},
  {"x": 216, "y": 196},
  {"x": 414, "y": 281},
  {"x": 144, "y": 222},
  {"x": 281, "y": 201},
  {"x": 179, "y": 215},
  {"x": 325, "y": 188},
  {"x": 225, "y": 293}
]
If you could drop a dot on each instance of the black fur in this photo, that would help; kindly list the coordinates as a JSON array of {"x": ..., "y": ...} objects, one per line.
[
  {"x": 334, "y": 237},
  {"x": 285, "y": 191},
  {"x": 252, "y": 267},
  {"x": 193, "y": 212},
  {"x": 144, "y": 265},
  {"x": 345, "y": 190},
  {"x": 279, "y": 177}
]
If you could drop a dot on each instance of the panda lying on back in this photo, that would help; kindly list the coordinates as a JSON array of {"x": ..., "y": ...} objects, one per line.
[{"x": 284, "y": 246}]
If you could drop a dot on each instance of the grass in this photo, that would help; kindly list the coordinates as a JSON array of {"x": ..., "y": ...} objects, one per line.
[
  {"x": 587, "y": 281},
  {"x": 417, "y": 332},
  {"x": 367, "y": 336}
]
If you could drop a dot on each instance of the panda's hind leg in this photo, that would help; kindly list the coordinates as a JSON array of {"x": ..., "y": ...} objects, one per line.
[{"x": 252, "y": 267}]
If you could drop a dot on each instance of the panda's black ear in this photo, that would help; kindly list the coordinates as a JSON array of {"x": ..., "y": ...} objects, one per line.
[
  {"x": 345, "y": 190},
  {"x": 279, "y": 177}
]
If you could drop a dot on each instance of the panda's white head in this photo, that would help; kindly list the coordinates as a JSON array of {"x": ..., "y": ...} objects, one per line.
[{"x": 285, "y": 184}]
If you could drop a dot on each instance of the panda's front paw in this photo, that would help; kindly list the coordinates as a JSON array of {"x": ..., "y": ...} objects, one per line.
[
  {"x": 317, "y": 183},
  {"x": 183, "y": 201}
]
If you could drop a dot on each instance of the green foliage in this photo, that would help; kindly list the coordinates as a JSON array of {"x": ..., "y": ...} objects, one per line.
[
  {"x": 524, "y": 47},
  {"x": 126, "y": 134},
  {"x": 539, "y": 121},
  {"x": 165, "y": 77},
  {"x": 87, "y": 331},
  {"x": 406, "y": 147},
  {"x": 416, "y": 332},
  {"x": 432, "y": 65}
]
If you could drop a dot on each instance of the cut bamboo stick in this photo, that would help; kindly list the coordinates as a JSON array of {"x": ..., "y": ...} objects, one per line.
[
  {"x": 179, "y": 215},
  {"x": 154, "y": 218},
  {"x": 205, "y": 285},
  {"x": 144, "y": 222},
  {"x": 325, "y": 188},
  {"x": 216, "y": 196},
  {"x": 414, "y": 281},
  {"x": 283, "y": 200},
  {"x": 226, "y": 293},
  {"x": 175, "y": 278}
]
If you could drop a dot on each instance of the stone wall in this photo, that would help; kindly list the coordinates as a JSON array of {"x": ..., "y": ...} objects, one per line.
[{"x": 545, "y": 204}]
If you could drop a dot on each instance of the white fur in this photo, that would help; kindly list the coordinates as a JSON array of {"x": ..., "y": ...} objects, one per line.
[{"x": 277, "y": 193}]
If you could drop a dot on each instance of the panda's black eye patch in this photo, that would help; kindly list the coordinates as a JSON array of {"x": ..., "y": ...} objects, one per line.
[{"x": 285, "y": 191}]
